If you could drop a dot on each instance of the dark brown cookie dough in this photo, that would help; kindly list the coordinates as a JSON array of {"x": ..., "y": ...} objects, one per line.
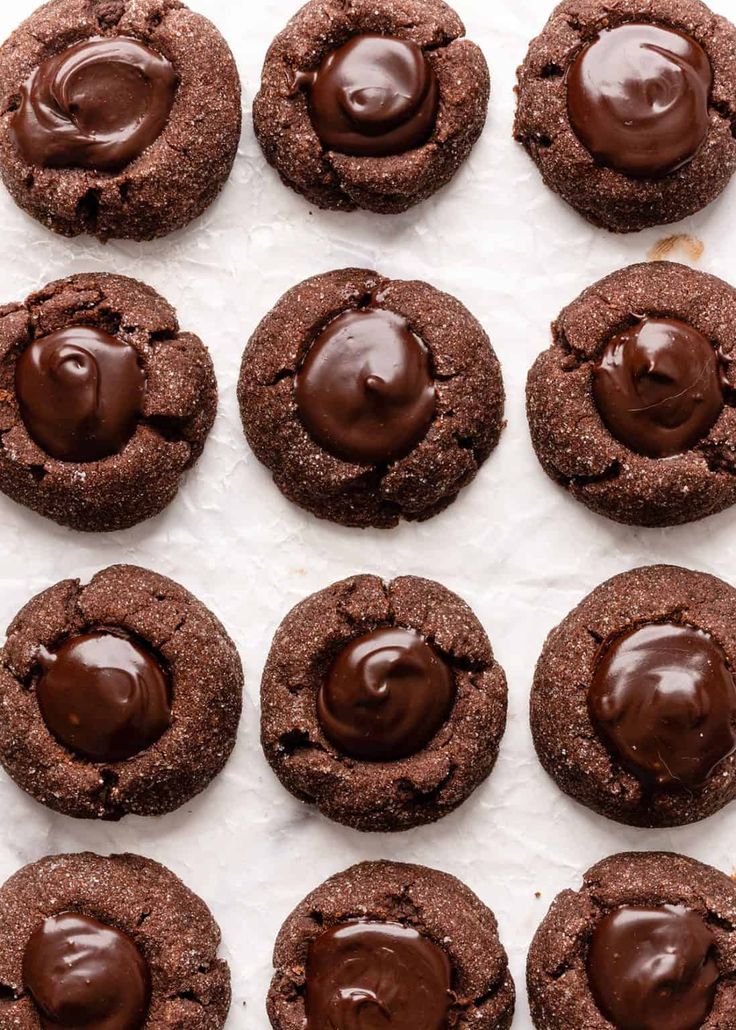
[
  {"x": 173, "y": 629},
  {"x": 159, "y": 182},
  {"x": 696, "y": 976},
  {"x": 380, "y": 794},
  {"x": 588, "y": 455},
  {"x": 169, "y": 426},
  {"x": 698, "y": 98},
  {"x": 464, "y": 422},
  {"x": 436, "y": 905},
  {"x": 172, "y": 929},
  {"x": 318, "y": 168},
  {"x": 612, "y": 736}
]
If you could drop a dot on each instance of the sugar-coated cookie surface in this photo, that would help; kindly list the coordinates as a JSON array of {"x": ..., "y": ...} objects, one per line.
[
  {"x": 684, "y": 768},
  {"x": 436, "y": 904},
  {"x": 463, "y": 426},
  {"x": 140, "y": 473},
  {"x": 671, "y": 983},
  {"x": 165, "y": 178},
  {"x": 584, "y": 143},
  {"x": 205, "y": 679},
  {"x": 383, "y": 182},
  {"x": 170, "y": 926},
  {"x": 572, "y": 425},
  {"x": 436, "y": 776}
]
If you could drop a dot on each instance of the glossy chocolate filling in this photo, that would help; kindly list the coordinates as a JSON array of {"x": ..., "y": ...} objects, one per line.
[
  {"x": 103, "y": 695},
  {"x": 638, "y": 99},
  {"x": 663, "y": 697},
  {"x": 99, "y": 104},
  {"x": 368, "y": 974},
  {"x": 373, "y": 97},
  {"x": 386, "y": 695},
  {"x": 85, "y": 975},
  {"x": 659, "y": 387},
  {"x": 80, "y": 393},
  {"x": 365, "y": 391},
  {"x": 653, "y": 968}
]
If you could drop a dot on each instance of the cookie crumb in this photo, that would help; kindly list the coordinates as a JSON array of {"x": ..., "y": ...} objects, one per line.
[{"x": 690, "y": 246}]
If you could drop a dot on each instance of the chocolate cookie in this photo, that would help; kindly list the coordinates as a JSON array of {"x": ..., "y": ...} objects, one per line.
[
  {"x": 120, "y": 696},
  {"x": 631, "y": 408},
  {"x": 382, "y": 703},
  {"x": 104, "y": 402},
  {"x": 409, "y": 942},
  {"x": 114, "y": 942},
  {"x": 633, "y": 707},
  {"x": 371, "y": 104},
  {"x": 119, "y": 118},
  {"x": 647, "y": 943},
  {"x": 370, "y": 400},
  {"x": 628, "y": 109}
]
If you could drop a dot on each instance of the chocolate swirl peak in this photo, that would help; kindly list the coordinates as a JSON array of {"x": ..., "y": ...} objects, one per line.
[
  {"x": 386, "y": 695},
  {"x": 638, "y": 98},
  {"x": 373, "y": 97},
  {"x": 653, "y": 968},
  {"x": 98, "y": 104},
  {"x": 659, "y": 387},
  {"x": 663, "y": 697},
  {"x": 365, "y": 391},
  {"x": 362, "y": 975},
  {"x": 103, "y": 696},
  {"x": 81, "y": 973},
  {"x": 80, "y": 393}
]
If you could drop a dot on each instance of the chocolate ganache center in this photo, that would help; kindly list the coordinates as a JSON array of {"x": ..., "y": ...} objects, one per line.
[
  {"x": 638, "y": 99},
  {"x": 98, "y": 104},
  {"x": 373, "y": 97},
  {"x": 82, "y": 973},
  {"x": 80, "y": 393},
  {"x": 386, "y": 695},
  {"x": 365, "y": 391},
  {"x": 104, "y": 696},
  {"x": 664, "y": 699},
  {"x": 653, "y": 968},
  {"x": 659, "y": 387},
  {"x": 372, "y": 975}
]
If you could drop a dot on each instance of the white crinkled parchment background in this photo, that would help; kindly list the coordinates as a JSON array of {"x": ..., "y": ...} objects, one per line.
[{"x": 514, "y": 546}]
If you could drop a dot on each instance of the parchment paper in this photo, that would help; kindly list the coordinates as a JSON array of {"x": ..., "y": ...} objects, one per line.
[{"x": 514, "y": 546}]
